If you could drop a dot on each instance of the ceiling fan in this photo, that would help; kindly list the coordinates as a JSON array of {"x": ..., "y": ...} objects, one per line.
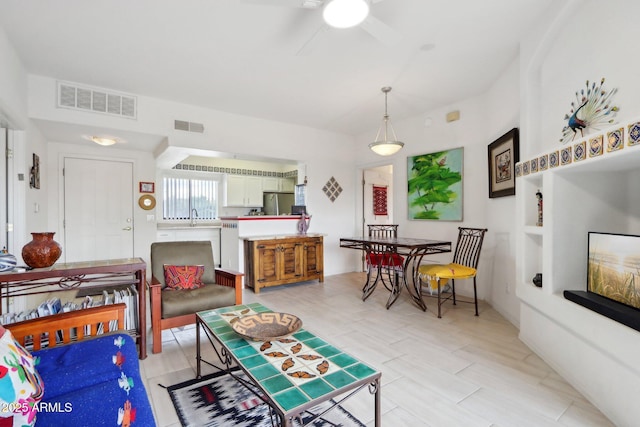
[{"x": 369, "y": 23}]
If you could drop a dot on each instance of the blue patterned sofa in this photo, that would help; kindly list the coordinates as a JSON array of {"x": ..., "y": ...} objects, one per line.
[{"x": 88, "y": 380}]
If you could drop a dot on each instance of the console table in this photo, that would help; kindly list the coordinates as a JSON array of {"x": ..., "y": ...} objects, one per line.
[
  {"x": 88, "y": 274},
  {"x": 282, "y": 259}
]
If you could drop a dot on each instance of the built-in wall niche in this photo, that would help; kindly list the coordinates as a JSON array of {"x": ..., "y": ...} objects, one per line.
[
  {"x": 596, "y": 193},
  {"x": 603, "y": 199}
]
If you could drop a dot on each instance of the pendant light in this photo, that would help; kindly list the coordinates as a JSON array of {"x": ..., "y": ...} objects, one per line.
[
  {"x": 386, "y": 147},
  {"x": 345, "y": 13}
]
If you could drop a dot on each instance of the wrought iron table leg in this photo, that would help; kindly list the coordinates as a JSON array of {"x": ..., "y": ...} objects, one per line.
[
  {"x": 374, "y": 388},
  {"x": 198, "y": 356},
  {"x": 369, "y": 286},
  {"x": 413, "y": 260},
  {"x": 395, "y": 287}
]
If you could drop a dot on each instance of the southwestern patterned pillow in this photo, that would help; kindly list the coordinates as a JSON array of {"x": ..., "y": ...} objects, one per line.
[
  {"x": 181, "y": 277},
  {"x": 21, "y": 387}
]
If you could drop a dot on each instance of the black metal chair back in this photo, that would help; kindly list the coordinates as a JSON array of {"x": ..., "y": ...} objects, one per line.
[
  {"x": 383, "y": 230},
  {"x": 468, "y": 247},
  {"x": 467, "y": 253}
]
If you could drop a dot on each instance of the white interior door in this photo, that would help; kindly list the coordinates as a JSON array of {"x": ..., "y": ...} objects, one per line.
[
  {"x": 98, "y": 209},
  {"x": 381, "y": 176}
]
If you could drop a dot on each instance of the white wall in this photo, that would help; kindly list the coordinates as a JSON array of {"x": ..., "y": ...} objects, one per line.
[
  {"x": 597, "y": 40},
  {"x": 13, "y": 83},
  {"x": 587, "y": 40},
  {"x": 482, "y": 120},
  {"x": 325, "y": 154},
  {"x": 13, "y": 105},
  {"x": 503, "y": 102}
]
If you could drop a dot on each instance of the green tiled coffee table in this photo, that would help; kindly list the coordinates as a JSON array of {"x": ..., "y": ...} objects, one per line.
[{"x": 293, "y": 374}]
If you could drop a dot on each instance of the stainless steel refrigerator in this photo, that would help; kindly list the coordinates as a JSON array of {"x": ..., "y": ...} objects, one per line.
[{"x": 277, "y": 203}]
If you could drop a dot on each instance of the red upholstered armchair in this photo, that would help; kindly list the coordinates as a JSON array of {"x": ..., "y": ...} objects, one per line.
[{"x": 172, "y": 308}]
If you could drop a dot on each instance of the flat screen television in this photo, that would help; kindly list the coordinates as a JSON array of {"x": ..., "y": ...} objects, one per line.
[{"x": 613, "y": 267}]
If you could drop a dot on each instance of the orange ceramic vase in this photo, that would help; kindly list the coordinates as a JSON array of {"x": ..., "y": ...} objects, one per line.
[{"x": 42, "y": 251}]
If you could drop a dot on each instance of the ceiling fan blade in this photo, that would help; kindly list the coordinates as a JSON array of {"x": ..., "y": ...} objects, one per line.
[
  {"x": 286, "y": 3},
  {"x": 310, "y": 44},
  {"x": 306, "y": 4},
  {"x": 380, "y": 31}
]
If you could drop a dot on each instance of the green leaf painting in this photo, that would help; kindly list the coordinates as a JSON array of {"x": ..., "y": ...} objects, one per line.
[{"x": 435, "y": 185}]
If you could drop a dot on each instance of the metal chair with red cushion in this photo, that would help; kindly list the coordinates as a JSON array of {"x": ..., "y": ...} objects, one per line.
[{"x": 379, "y": 259}]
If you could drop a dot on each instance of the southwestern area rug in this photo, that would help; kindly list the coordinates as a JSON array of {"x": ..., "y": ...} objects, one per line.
[{"x": 220, "y": 400}]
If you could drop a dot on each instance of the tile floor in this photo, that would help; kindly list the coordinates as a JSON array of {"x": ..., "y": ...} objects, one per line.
[{"x": 460, "y": 370}]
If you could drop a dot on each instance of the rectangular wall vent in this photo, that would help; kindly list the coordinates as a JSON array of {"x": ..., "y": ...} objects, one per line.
[
  {"x": 71, "y": 95},
  {"x": 188, "y": 126}
]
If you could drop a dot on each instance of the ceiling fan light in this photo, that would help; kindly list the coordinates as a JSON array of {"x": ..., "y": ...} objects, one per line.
[
  {"x": 345, "y": 13},
  {"x": 103, "y": 141}
]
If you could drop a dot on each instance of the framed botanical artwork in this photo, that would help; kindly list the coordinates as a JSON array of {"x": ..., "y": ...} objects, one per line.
[
  {"x": 503, "y": 154},
  {"x": 434, "y": 185},
  {"x": 147, "y": 187}
]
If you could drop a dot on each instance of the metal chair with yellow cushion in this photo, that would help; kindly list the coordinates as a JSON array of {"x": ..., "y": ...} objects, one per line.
[{"x": 463, "y": 266}]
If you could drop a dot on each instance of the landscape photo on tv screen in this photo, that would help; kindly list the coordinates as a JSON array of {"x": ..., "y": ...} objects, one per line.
[{"x": 614, "y": 267}]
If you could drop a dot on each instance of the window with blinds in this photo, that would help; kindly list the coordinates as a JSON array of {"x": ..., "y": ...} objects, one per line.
[{"x": 189, "y": 198}]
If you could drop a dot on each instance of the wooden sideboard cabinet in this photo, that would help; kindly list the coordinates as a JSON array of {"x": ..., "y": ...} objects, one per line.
[{"x": 278, "y": 260}]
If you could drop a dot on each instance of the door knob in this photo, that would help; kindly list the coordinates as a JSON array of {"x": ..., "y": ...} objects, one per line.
[{"x": 128, "y": 228}]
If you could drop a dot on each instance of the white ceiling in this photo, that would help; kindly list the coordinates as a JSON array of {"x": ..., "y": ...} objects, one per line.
[{"x": 250, "y": 57}]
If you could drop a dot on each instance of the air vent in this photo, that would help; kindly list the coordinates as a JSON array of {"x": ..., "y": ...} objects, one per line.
[
  {"x": 188, "y": 126},
  {"x": 85, "y": 98}
]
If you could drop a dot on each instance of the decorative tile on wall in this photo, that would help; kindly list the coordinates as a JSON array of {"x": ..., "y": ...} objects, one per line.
[
  {"x": 634, "y": 134},
  {"x": 579, "y": 151},
  {"x": 596, "y": 147},
  {"x": 565, "y": 156},
  {"x": 236, "y": 171},
  {"x": 332, "y": 189},
  {"x": 543, "y": 162},
  {"x": 615, "y": 140}
]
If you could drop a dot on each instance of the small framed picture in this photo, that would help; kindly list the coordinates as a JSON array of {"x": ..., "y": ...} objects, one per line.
[
  {"x": 34, "y": 176},
  {"x": 504, "y": 153},
  {"x": 147, "y": 187}
]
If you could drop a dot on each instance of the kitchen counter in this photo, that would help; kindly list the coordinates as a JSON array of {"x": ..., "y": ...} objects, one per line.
[
  {"x": 188, "y": 227},
  {"x": 260, "y": 217},
  {"x": 279, "y": 236},
  {"x": 235, "y": 230}
]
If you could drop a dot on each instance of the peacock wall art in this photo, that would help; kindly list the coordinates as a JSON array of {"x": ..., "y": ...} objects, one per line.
[{"x": 592, "y": 109}]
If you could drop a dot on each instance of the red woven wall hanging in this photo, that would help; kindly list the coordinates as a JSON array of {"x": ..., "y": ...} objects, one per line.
[{"x": 379, "y": 200}]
